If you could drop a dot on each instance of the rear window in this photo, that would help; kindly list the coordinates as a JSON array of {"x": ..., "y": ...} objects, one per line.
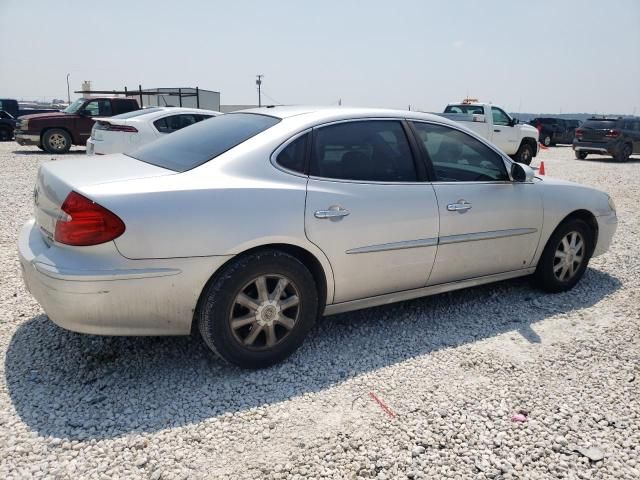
[
  {"x": 600, "y": 124},
  {"x": 468, "y": 109},
  {"x": 137, "y": 113},
  {"x": 204, "y": 141}
]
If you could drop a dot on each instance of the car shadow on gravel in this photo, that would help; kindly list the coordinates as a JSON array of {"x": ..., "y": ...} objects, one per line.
[{"x": 75, "y": 386}]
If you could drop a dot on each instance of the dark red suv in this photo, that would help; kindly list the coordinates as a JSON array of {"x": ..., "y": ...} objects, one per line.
[{"x": 55, "y": 132}]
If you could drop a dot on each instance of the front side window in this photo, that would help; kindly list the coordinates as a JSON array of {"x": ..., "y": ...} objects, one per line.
[
  {"x": 98, "y": 108},
  {"x": 499, "y": 117},
  {"x": 369, "y": 150},
  {"x": 458, "y": 157},
  {"x": 292, "y": 157}
]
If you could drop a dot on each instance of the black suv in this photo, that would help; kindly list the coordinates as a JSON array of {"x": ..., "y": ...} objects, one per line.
[
  {"x": 618, "y": 137},
  {"x": 554, "y": 130}
]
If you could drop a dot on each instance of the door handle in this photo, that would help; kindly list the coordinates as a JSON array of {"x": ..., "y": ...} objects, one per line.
[
  {"x": 497, "y": 130},
  {"x": 460, "y": 206},
  {"x": 332, "y": 212}
]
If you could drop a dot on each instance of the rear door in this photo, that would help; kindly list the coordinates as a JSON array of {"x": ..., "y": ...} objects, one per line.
[
  {"x": 368, "y": 209},
  {"x": 488, "y": 224}
]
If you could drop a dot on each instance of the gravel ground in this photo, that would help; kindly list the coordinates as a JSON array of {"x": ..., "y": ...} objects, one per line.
[{"x": 449, "y": 372}]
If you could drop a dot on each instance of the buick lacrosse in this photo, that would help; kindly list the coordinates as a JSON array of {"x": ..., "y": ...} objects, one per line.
[{"x": 251, "y": 224}]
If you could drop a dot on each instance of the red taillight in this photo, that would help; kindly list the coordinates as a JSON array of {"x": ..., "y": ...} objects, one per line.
[
  {"x": 579, "y": 133},
  {"x": 87, "y": 224},
  {"x": 539, "y": 127},
  {"x": 612, "y": 133},
  {"x": 111, "y": 127}
]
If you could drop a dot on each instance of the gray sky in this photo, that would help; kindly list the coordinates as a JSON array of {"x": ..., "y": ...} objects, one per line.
[{"x": 542, "y": 56}]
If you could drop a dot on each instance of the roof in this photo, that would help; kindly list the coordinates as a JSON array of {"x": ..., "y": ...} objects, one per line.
[{"x": 328, "y": 113}]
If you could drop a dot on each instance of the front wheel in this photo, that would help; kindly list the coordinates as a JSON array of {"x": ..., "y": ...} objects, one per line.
[
  {"x": 565, "y": 257},
  {"x": 524, "y": 154},
  {"x": 258, "y": 309},
  {"x": 546, "y": 140},
  {"x": 5, "y": 135},
  {"x": 581, "y": 155},
  {"x": 56, "y": 141}
]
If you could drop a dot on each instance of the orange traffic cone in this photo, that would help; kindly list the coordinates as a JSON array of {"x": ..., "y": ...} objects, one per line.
[{"x": 541, "y": 169}]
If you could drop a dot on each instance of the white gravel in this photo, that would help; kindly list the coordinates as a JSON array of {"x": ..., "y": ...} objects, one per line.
[{"x": 452, "y": 370}]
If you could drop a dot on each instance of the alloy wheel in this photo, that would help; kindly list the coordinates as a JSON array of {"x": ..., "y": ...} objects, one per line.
[
  {"x": 57, "y": 141},
  {"x": 570, "y": 253},
  {"x": 265, "y": 311}
]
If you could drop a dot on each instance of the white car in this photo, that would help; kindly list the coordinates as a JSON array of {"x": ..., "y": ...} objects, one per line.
[
  {"x": 251, "y": 224},
  {"x": 128, "y": 131}
]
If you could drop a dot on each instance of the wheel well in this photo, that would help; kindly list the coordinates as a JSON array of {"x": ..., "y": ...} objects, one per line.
[
  {"x": 531, "y": 142},
  {"x": 587, "y": 217},
  {"x": 304, "y": 256},
  {"x": 55, "y": 128}
]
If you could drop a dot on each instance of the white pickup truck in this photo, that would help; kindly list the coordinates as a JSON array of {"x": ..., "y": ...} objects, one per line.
[{"x": 519, "y": 141}]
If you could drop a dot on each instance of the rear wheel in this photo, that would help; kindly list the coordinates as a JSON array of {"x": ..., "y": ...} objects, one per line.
[
  {"x": 624, "y": 153},
  {"x": 258, "y": 309},
  {"x": 56, "y": 141},
  {"x": 524, "y": 154},
  {"x": 581, "y": 155},
  {"x": 5, "y": 135},
  {"x": 565, "y": 257}
]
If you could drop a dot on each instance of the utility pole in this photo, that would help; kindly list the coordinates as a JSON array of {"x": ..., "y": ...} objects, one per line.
[
  {"x": 259, "y": 83},
  {"x": 68, "y": 91}
]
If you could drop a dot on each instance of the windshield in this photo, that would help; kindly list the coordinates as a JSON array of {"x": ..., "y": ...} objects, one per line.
[
  {"x": 75, "y": 106},
  {"x": 204, "y": 141}
]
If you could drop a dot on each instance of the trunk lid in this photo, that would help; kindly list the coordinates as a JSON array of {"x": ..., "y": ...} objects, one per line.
[{"x": 57, "y": 178}]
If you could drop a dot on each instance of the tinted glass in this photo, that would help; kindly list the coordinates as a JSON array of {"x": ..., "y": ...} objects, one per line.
[
  {"x": 137, "y": 113},
  {"x": 98, "y": 108},
  {"x": 293, "y": 155},
  {"x": 188, "y": 148},
  {"x": 468, "y": 109},
  {"x": 499, "y": 117},
  {"x": 597, "y": 124},
  {"x": 367, "y": 150},
  {"x": 458, "y": 157}
]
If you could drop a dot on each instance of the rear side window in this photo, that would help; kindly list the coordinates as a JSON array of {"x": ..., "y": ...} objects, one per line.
[
  {"x": 175, "y": 122},
  {"x": 374, "y": 150},
  {"x": 292, "y": 157},
  {"x": 191, "y": 147},
  {"x": 458, "y": 157}
]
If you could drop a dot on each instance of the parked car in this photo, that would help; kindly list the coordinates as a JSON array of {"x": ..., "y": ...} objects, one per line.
[
  {"x": 519, "y": 141},
  {"x": 618, "y": 137},
  {"x": 126, "y": 132},
  {"x": 55, "y": 132},
  {"x": 12, "y": 107},
  {"x": 554, "y": 130},
  {"x": 251, "y": 224},
  {"x": 7, "y": 125}
]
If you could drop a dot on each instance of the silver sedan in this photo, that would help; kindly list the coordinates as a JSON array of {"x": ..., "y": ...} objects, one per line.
[{"x": 252, "y": 224}]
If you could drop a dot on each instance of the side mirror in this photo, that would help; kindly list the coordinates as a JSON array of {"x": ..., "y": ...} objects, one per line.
[
  {"x": 521, "y": 173},
  {"x": 514, "y": 121}
]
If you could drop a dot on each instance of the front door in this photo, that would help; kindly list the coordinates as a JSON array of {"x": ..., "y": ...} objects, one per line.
[
  {"x": 368, "y": 211},
  {"x": 85, "y": 121},
  {"x": 488, "y": 224},
  {"x": 505, "y": 135}
]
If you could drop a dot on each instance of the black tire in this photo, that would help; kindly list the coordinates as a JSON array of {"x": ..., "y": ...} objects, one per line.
[
  {"x": 624, "y": 153},
  {"x": 56, "y": 140},
  {"x": 524, "y": 154},
  {"x": 547, "y": 141},
  {"x": 581, "y": 155},
  {"x": 545, "y": 276},
  {"x": 5, "y": 134},
  {"x": 218, "y": 304}
]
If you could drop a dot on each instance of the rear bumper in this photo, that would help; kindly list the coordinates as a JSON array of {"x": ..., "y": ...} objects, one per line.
[
  {"x": 604, "y": 148},
  {"x": 606, "y": 229},
  {"x": 104, "y": 293},
  {"x": 27, "y": 138}
]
